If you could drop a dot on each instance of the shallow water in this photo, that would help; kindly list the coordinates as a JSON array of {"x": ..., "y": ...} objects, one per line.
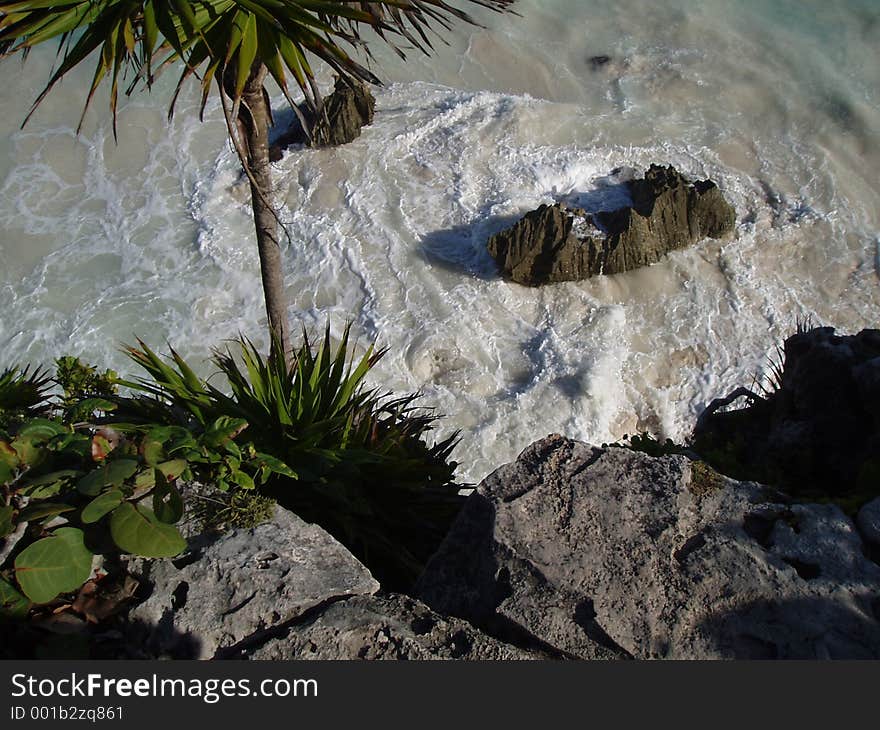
[{"x": 776, "y": 101}]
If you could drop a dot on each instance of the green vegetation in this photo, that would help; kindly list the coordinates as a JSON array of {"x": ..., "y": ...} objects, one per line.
[
  {"x": 238, "y": 509},
  {"x": 71, "y": 491},
  {"x": 347, "y": 457},
  {"x": 95, "y": 472},
  {"x": 85, "y": 390},
  {"x": 650, "y": 445},
  {"x": 22, "y": 394}
]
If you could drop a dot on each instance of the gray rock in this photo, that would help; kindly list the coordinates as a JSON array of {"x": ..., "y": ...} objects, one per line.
[
  {"x": 384, "y": 627},
  {"x": 556, "y": 243},
  {"x": 868, "y": 521},
  {"x": 231, "y": 589},
  {"x": 590, "y": 549}
]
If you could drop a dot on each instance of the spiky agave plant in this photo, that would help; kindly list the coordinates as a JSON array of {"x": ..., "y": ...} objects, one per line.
[
  {"x": 232, "y": 46},
  {"x": 358, "y": 461},
  {"x": 23, "y": 393}
]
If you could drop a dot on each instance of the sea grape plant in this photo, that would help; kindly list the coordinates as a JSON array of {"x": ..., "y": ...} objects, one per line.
[{"x": 70, "y": 491}]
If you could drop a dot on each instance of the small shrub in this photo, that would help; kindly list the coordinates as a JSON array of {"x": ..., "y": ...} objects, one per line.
[
  {"x": 85, "y": 390},
  {"x": 648, "y": 444},
  {"x": 239, "y": 508},
  {"x": 347, "y": 457}
]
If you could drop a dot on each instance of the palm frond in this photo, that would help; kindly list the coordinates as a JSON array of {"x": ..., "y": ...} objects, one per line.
[{"x": 219, "y": 40}]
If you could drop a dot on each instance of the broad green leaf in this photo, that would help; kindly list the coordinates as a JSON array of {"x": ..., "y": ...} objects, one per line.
[
  {"x": 181, "y": 441},
  {"x": 77, "y": 444},
  {"x": 43, "y": 509},
  {"x": 7, "y": 473},
  {"x": 47, "y": 484},
  {"x": 40, "y": 430},
  {"x": 44, "y": 491},
  {"x": 12, "y": 603},
  {"x": 8, "y": 455},
  {"x": 152, "y": 451},
  {"x": 223, "y": 429},
  {"x": 145, "y": 481},
  {"x": 275, "y": 465},
  {"x": 54, "y": 565},
  {"x": 101, "y": 505},
  {"x": 111, "y": 474},
  {"x": 172, "y": 469},
  {"x": 95, "y": 404},
  {"x": 29, "y": 453},
  {"x": 243, "y": 480},
  {"x": 165, "y": 433},
  {"x": 138, "y": 531}
]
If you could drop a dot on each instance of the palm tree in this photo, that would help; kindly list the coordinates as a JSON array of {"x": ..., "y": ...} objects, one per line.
[{"x": 232, "y": 46}]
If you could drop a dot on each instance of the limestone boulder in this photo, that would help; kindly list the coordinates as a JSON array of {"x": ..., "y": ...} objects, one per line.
[{"x": 611, "y": 552}]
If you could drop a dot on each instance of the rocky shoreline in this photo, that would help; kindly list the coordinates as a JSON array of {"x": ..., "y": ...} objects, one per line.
[{"x": 572, "y": 551}]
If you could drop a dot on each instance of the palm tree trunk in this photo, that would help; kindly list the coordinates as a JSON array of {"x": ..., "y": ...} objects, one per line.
[{"x": 253, "y": 123}]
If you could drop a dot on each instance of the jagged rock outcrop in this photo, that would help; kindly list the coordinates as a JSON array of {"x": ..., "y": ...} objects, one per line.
[
  {"x": 818, "y": 430},
  {"x": 606, "y": 549},
  {"x": 227, "y": 591},
  {"x": 556, "y": 243},
  {"x": 385, "y": 627},
  {"x": 286, "y": 590},
  {"x": 342, "y": 116}
]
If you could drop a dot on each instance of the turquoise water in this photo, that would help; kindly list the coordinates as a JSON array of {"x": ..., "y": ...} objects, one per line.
[{"x": 779, "y": 102}]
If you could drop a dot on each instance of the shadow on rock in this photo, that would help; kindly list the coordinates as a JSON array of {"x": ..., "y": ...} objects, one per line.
[{"x": 803, "y": 628}]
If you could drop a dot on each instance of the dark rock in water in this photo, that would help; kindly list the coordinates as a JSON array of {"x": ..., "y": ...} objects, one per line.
[
  {"x": 597, "y": 62},
  {"x": 349, "y": 108},
  {"x": 556, "y": 243},
  {"x": 818, "y": 429},
  {"x": 611, "y": 552},
  {"x": 342, "y": 116}
]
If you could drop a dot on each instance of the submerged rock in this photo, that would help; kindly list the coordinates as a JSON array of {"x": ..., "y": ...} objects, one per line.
[
  {"x": 612, "y": 552},
  {"x": 556, "y": 243},
  {"x": 598, "y": 62},
  {"x": 342, "y": 116}
]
